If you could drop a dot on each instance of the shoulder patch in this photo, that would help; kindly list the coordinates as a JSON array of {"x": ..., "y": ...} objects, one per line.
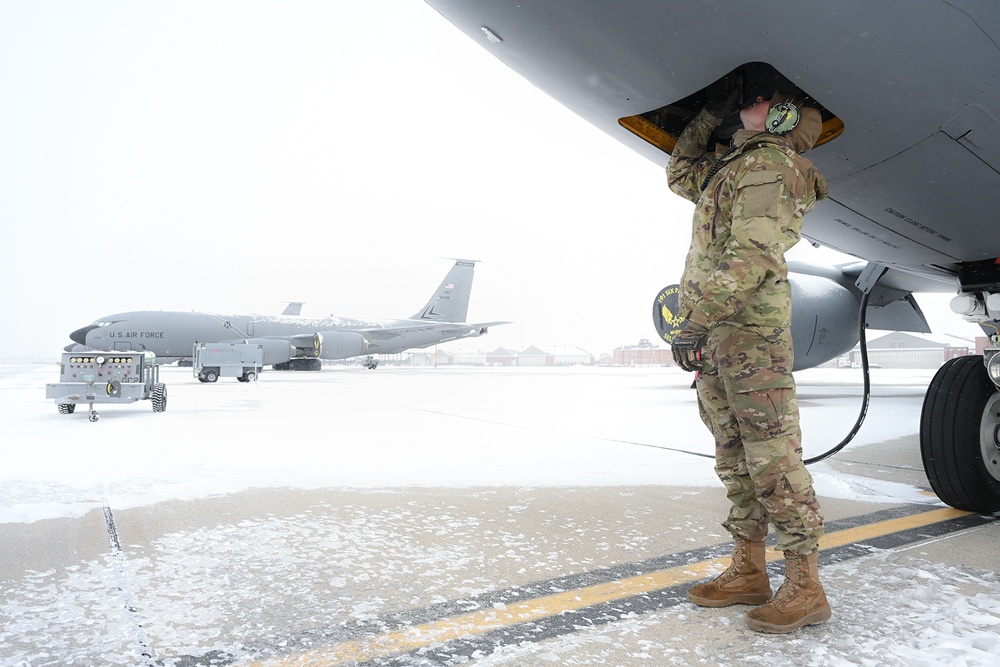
[{"x": 759, "y": 193}]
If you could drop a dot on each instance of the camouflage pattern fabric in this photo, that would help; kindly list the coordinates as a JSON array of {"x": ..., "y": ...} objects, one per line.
[
  {"x": 749, "y": 214},
  {"x": 746, "y": 396},
  {"x": 749, "y": 207}
]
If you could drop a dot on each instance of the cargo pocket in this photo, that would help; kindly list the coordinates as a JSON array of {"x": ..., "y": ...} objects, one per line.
[{"x": 751, "y": 362}]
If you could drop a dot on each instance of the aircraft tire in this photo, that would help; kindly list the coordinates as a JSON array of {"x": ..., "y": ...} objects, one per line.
[{"x": 959, "y": 431}]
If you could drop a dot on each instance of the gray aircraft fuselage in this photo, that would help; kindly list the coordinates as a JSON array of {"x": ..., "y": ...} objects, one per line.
[{"x": 171, "y": 335}]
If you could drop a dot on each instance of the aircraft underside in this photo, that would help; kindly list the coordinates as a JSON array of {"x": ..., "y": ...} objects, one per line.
[{"x": 910, "y": 147}]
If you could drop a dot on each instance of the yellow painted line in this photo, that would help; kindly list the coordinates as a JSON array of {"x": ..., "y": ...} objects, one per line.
[
  {"x": 488, "y": 620},
  {"x": 860, "y": 533}
]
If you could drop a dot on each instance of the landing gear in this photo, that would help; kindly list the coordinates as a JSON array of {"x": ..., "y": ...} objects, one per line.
[
  {"x": 299, "y": 365},
  {"x": 960, "y": 436}
]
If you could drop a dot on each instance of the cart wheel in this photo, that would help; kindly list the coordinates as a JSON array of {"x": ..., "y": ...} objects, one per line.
[
  {"x": 211, "y": 376},
  {"x": 159, "y": 397},
  {"x": 94, "y": 416},
  {"x": 250, "y": 376}
]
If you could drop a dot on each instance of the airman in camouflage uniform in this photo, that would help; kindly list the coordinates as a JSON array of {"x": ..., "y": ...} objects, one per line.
[{"x": 735, "y": 293}]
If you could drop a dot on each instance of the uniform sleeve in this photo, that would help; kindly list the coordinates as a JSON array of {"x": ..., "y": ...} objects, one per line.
[
  {"x": 764, "y": 226},
  {"x": 690, "y": 162}
]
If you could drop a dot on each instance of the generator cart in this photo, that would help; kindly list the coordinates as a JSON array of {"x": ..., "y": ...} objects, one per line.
[
  {"x": 107, "y": 377},
  {"x": 242, "y": 361}
]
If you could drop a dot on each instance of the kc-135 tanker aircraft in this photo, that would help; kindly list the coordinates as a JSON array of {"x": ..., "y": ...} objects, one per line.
[
  {"x": 910, "y": 101},
  {"x": 290, "y": 342}
]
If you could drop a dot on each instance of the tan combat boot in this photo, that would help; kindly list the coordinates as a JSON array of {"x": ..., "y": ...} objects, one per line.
[
  {"x": 744, "y": 582},
  {"x": 799, "y": 602}
]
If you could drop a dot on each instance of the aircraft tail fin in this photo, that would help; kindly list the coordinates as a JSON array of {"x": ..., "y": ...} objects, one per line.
[{"x": 450, "y": 302}]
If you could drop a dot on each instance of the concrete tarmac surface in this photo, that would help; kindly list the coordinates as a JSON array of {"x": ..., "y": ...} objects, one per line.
[
  {"x": 504, "y": 575},
  {"x": 425, "y": 576}
]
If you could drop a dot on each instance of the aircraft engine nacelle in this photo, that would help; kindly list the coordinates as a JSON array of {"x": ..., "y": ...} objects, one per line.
[
  {"x": 825, "y": 319},
  {"x": 276, "y": 350},
  {"x": 338, "y": 344}
]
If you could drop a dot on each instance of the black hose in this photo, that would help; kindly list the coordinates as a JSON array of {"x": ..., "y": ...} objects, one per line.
[
  {"x": 865, "y": 400},
  {"x": 867, "y": 389}
]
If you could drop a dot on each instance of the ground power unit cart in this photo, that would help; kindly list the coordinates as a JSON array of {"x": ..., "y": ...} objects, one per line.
[
  {"x": 242, "y": 361},
  {"x": 107, "y": 377}
]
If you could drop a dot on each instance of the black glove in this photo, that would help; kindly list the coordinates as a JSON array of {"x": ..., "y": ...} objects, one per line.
[
  {"x": 686, "y": 346},
  {"x": 722, "y": 97}
]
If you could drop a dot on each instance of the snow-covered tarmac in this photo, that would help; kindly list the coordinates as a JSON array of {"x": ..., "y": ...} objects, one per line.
[{"x": 261, "y": 521}]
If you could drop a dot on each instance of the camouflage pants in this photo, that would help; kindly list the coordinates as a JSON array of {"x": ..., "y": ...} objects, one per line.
[{"x": 746, "y": 396}]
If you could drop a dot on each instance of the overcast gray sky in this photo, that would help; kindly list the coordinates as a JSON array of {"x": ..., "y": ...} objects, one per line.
[{"x": 232, "y": 156}]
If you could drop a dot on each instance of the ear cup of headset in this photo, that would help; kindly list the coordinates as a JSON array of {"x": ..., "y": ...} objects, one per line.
[{"x": 782, "y": 118}]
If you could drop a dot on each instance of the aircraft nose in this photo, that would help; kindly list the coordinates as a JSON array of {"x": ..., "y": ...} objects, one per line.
[{"x": 80, "y": 335}]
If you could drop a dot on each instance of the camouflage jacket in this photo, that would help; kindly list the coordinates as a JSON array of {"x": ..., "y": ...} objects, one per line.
[{"x": 748, "y": 215}]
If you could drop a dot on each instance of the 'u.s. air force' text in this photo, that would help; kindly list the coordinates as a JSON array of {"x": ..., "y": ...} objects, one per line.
[{"x": 137, "y": 334}]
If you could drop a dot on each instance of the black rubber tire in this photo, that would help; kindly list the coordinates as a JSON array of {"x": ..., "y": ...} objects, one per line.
[
  {"x": 159, "y": 397},
  {"x": 67, "y": 408},
  {"x": 950, "y": 440}
]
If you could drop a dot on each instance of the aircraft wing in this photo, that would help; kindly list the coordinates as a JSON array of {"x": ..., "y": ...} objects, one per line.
[
  {"x": 443, "y": 328},
  {"x": 415, "y": 334}
]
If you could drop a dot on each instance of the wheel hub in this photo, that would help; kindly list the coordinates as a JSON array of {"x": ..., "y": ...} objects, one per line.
[{"x": 989, "y": 436}]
